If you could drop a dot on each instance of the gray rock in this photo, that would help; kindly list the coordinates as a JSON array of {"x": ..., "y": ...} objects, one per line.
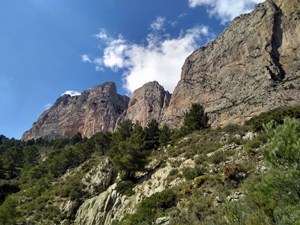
[
  {"x": 249, "y": 136},
  {"x": 94, "y": 110},
  {"x": 163, "y": 221},
  {"x": 147, "y": 103},
  {"x": 252, "y": 67}
]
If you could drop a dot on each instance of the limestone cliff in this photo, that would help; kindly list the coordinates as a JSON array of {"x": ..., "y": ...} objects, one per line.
[
  {"x": 252, "y": 67},
  {"x": 146, "y": 103},
  {"x": 94, "y": 110}
]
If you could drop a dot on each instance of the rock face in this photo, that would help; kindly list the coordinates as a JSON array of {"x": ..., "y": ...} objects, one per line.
[
  {"x": 146, "y": 103},
  {"x": 252, "y": 67},
  {"x": 94, "y": 110},
  {"x": 105, "y": 208}
]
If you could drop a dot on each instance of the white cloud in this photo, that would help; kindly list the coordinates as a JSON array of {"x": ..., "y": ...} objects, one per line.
[
  {"x": 85, "y": 58},
  {"x": 72, "y": 93},
  {"x": 226, "y": 10},
  {"x": 158, "y": 24},
  {"x": 160, "y": 59}
]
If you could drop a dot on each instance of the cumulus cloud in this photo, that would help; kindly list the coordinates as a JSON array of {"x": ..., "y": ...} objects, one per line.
[
  {"x": 72, "y": 93},
  {"x": 160, "y": 58},
  {"x": 225, "y": 10},
  {"x": 158, "y": 24}
]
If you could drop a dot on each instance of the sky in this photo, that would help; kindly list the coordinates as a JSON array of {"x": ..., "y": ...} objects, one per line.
[{"x": 53, "y": 47}]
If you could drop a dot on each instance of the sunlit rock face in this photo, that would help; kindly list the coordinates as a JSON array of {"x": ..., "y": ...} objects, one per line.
[
  {"x": 252, "y": 67},
  {"x": 94, "y": 110},
  {"x": 147, "y": 103}
]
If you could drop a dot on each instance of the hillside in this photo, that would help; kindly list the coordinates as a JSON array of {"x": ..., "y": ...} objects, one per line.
[
  {"x": 222, "y": 149},
  {"x": 209, "y": 176}
]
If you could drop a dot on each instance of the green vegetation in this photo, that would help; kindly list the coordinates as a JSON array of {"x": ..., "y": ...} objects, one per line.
[
  {"x": 276, "y": 115},
  {"x": 150, "y": 208},
  {"x": 38, "y": 175}
]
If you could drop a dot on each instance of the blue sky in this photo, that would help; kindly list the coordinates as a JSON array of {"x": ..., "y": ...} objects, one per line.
[{"x": 49, "y": 47}]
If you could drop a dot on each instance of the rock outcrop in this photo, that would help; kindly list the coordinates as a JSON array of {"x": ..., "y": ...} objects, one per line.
[
  {"x": 103, "y": 209},
  {"x": 146, "y": 103},
  {"x": 252, "y": 67},
  {"x": 94, "y": 110}
]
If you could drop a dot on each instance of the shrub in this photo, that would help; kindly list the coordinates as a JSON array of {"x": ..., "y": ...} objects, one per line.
[
  {"x": 149, "y": 207},
  {"x": 284, "y": 145},
  {"x": 230, "y": 171},
  {"x": 195, "y": 119},
  {"x": 277, "y": 115},
  {"x": 218, "y": 157},
  {"x": 176, "y": 163},
  {"x": 125, "y": 188},
  {"x": 255, "y": 143},
  {"x": 190, "y": 173},
  {"x": 186, "y": 191},
  {"x": 199, "y": 180},
  {"x": 249, "y": 150},
  {"x": 173, "y": 172},
  {"x": 201, "y": 159}
]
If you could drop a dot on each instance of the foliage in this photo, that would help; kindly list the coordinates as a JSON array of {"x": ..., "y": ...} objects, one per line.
[
  {"x": 218, "y": 157},
  {"x": 128, "y": 156},
  {"x": 152, "y": 132},
  {"x": 12, "y": 160},
  {"x": 77, "y": 138},
  {"x": 125, "y": 188},
  {"x": 284, "y": 144},
  {"x": 277, "y": 115},
  {"x": 8, "y": 210},
  {"x": 123, "y": 133},
  {"x": 195, "y": 119},
  {"x": 164, "y": 136},
  {"x": 191, "y": 173},
  {"x": 149, "y": 207},
  {"x": 102, "y": 141}
]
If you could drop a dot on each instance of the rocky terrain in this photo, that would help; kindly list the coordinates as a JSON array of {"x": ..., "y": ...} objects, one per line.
[
  {"x": 214, "y": 175},
  {"x": 146, "y": 103},
  {"x": 252, "y": 67},
  {"x": 94, "y": 110}
]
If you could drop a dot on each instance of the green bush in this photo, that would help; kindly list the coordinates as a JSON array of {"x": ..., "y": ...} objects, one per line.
[
  {"x": 190, "y": 173},
  {"x": 173, "y": 172},
  {"x": 125, "y": 188},
  {"x": 149, "y": 208},
  {"x": 277, "y": 115},
  {"x": 218, "y": 157}
]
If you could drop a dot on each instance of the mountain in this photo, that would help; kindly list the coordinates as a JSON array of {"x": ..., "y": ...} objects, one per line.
[
  {"x": 94, "y": 110},
  {"x": 146, "y": 103},
  {"x": 252, "y": 67}
]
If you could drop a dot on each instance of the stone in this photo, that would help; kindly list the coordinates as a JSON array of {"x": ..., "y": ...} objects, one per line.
[
  {"x": 94, "y": 110},
  {"x": 163, "y": 221},
  {"x": 147, "y": 103},
  {"x": 249, "y": 136},
  {"x": 252, "y": 67},
  {"x": 103, "y": 209}
]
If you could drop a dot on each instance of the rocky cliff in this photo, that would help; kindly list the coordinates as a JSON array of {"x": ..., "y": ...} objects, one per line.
[
  {"x": 94, "y": 110},
  {"x": 252, "y": 67},
  {"x": 99, "y": 109},
  {"x": 146, "y": 103}
]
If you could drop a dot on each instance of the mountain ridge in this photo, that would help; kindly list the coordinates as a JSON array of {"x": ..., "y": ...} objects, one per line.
[{"x": 252, "y": 67}]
